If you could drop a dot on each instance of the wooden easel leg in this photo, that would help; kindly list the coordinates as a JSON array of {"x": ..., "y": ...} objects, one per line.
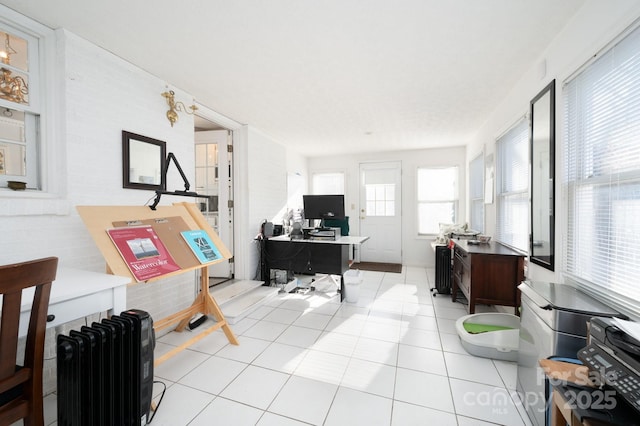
[
  {"x": 196, "y": 306},
  {"x": 213, "y": 309},
  {"x": 208, "y": 306}
]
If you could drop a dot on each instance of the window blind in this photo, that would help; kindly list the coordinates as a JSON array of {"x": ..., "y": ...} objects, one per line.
[
  {"x": 512, "y": 187},
  {"x": 602, "y": 174},
  {"x": 476, "y": 194},
  {"x": 328, "y": 183},
  {"x": 437, "y": 196}
]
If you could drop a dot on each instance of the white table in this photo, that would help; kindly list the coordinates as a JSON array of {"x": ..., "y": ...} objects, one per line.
[{"x": 77, "y": 293}]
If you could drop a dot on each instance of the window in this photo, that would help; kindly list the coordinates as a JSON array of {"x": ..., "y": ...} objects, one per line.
[
  {"x": 437, "y": 198},
  {"x": 27, "y": 73},
  {"x": 602, "y": 169},
  {"x": 380, "y": 199},
  {"x": 20, "y": 106},
  {"x": 512, "y": 187},
  {"x": 328, "y": 183},
  {"x": 476, "y": 194}
]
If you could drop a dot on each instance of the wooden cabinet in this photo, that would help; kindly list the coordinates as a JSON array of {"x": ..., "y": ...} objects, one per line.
[{"x": 486, "y": 274}]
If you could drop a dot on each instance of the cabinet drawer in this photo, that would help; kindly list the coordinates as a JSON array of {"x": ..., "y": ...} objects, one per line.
[
  {"x": 461, "y": 256},
  {"x": 461, "y": 272}
]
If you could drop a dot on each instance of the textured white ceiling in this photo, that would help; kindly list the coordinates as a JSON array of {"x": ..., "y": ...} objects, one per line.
[{"x": 332, "y": 76}]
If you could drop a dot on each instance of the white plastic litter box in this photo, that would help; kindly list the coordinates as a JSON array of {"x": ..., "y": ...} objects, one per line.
[
  {"x": 352, "y": 280},
  {"x": 499, "y": 341}
]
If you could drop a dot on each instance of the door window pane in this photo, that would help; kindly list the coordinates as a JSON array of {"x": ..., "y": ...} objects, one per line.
[
  {"x": 380, "y": 199},
  {"x": 207, "y": 182}
]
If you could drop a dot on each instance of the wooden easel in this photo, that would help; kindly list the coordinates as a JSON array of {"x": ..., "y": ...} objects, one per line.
[{"x": 100, "y": 218}]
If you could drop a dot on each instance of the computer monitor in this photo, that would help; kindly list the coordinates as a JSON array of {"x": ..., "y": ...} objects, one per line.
[{"x": 323, "y": 207}]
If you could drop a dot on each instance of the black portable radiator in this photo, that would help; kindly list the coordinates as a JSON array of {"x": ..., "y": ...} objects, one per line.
[
  {"x": 443, "y": 269},
  {"x": 105, "y": 372}
]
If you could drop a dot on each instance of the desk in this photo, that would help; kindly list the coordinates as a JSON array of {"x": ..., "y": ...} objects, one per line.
[
  {"x": 308, "y": 256},
  {"x": 77, "y": 293}
]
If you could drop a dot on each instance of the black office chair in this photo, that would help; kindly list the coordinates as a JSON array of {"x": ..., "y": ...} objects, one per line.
[{"x": 343, "y": 224}]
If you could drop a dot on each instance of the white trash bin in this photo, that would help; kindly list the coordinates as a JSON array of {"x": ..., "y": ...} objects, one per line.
[{"x": 352, "y": 280}]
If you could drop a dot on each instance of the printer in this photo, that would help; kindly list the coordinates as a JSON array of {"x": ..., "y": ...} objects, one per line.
[
  {"x": 326, "y": 234},
  {"x": 613, "y": 357}
]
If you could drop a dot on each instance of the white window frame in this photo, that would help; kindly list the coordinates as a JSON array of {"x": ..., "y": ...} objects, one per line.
[
  {"x": 602, "y": 174},
  {"x": 339, "y": 178},
  {"x": 476, "y": 193},
  {"x": 512, "y": 186},
  {"x": 31, "y": 111},
  {"x": 423, "y": 202},
  {"x": 43, "y": 96}
]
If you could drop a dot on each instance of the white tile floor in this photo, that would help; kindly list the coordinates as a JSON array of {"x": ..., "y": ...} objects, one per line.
[{"x": 392, "y": 358}]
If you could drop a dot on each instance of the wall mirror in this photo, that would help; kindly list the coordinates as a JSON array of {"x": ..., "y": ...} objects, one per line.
[
  {"x": 543, "y": 177},
  {"x": 142, "y": 161}
]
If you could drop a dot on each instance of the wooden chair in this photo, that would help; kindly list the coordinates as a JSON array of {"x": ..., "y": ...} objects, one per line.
[{"x": 21, "y": 386}]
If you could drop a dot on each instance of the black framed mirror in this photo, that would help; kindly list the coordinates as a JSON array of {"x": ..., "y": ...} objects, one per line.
[
  {"x": 142, "y": 162},
  {"x": 542, "y": 157}
]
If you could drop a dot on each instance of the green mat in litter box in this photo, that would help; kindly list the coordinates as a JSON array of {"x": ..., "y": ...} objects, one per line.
[{"x": 473, "y": 328}]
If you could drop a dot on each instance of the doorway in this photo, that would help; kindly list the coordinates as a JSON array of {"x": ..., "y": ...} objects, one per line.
[
  {"x": 380, "y": 211},
  {"x": 214, "y": 180}
]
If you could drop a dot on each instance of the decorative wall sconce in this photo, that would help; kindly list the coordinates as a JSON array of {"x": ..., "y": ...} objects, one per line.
[
  {"x": 174, "y": 107},
  {"x": 13, "y": 89}
]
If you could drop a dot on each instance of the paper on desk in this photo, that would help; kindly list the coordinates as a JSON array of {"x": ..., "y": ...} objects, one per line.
[{"x": 629, "y": 327}]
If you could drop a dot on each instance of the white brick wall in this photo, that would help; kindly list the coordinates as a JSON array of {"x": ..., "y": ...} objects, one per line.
[
  {"x": 268, "y": 179},
  {"x": 267, "y": 187},
  {"x": 103, "y": 95}
]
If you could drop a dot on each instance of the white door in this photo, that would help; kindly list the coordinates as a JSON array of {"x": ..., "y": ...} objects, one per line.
[
  {"x": 213, "y": 178},
  {"x": 380, "y": 215}
]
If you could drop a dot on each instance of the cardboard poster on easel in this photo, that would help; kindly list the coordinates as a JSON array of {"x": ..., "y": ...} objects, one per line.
[
  {"x": 143, "y": 251},
  {"x": 169, "y": 230},
  {"x": 201, "y": 245},
  {"x": 168, "y": 222}
]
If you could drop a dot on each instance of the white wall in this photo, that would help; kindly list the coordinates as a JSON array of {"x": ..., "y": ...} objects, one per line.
[
  {"x": 105, "y": 95},
  {"x": 416, "y": 251},
  {"x": 297, "y": 179},
  {"x": 595, "y": 25},
  {"x": 261, "y": 193},
  {"x": 101, "y": 95}
]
